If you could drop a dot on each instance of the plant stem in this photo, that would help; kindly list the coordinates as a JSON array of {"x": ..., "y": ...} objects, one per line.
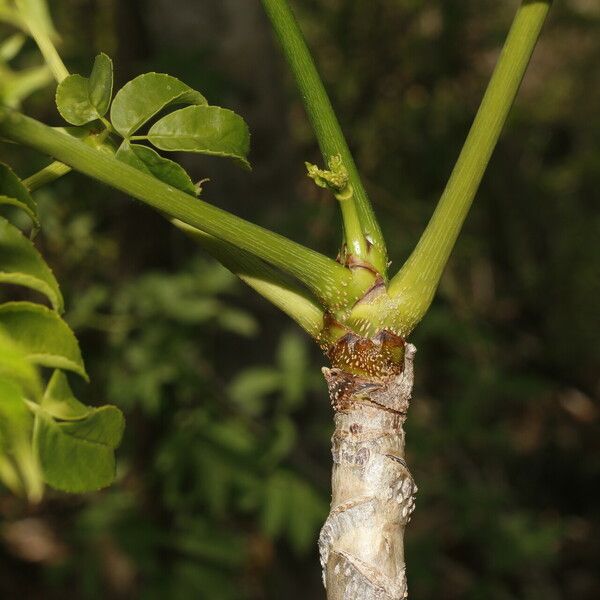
[
  {"x": 282, "y": 291},
  {"x": 48, "y": 50},
  {"x": 362, "y": 541},
  {"x": 331, "y": 140},
  {"x": 328, "y": 280},
  {"x": 48, "y": 174},
  {"x": 56, "y": 169},
  {"x": 414, "y": 286}
]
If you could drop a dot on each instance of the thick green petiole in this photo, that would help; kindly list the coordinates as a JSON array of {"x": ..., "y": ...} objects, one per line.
[
  {"x": 413, "y": 288},
  {"x": 333, "y": 284},
  {"x": 367, "y": 239},
  {"x": 281, "y": 290}
]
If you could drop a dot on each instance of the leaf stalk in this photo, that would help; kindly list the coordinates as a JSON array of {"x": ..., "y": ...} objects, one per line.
[
  {"x": 412, "y": 289},
  {"x": 367, "y": 239}
]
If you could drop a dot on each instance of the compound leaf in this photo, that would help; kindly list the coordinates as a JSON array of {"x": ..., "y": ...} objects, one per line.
[
  {"x": 145, "y": 96},
  {"x": 22, "y": 264},
  {"x": 149, "y": 161},
  {"x": 203, "y": 129}
]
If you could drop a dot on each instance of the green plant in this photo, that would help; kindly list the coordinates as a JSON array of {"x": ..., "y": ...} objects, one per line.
[{"x": 358, "y": 314}]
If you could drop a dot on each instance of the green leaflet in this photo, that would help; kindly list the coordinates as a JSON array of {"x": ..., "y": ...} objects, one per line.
[
  {"x": 46, "y": 339},
  {"x": 101, "y": 83},
  {"x": 203, "y": 129},
  {"x": 22, "y": 264},
  {"x": 14, "y": 193},
  {"x": 71, "y": 460},
  {"x": 149, "y": 161},
  {"x": 59, "y": 401},
  {"x": 81, "y": 100},
  {"x": 77, "y": 451},
  {"x": 19, "y": 467},
  {"x": 104, "y": 425},
  {"x": 145, "y": 96}
]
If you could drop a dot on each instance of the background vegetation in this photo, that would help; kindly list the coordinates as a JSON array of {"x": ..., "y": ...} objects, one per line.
[{"x": 224, "y": 471}]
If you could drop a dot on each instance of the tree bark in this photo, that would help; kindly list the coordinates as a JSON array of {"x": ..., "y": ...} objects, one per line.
[{"x": 362, "y": 541}]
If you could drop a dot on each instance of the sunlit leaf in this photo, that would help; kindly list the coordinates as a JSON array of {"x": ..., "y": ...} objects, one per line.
[
  {"x": 72, "y": 463},
  {"x": 22, "y": 264},
  {"x": 81, "y": 100},
  {"x": 104, "y": 425},
  {"x": 203, "y": 129},
  {"x": 149, "y": 161},
  {"x": 145, "y": 96},
  {"x": 45, "y": 338},
  {"x": 76, "y": 452},
  {"x": 59, "y": 401}
]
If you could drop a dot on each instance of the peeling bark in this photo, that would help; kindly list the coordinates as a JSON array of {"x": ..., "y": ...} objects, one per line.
[{"x": 362, "y": 541}]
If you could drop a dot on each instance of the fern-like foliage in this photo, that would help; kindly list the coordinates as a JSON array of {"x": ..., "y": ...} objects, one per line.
[{"x": 46, "y": 434}]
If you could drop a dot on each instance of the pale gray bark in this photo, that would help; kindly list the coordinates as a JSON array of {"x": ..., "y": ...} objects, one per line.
[{"x": 362, "y": 541}]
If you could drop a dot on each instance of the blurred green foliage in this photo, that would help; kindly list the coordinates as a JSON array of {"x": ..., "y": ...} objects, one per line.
[{"x": 225, "y": 464}]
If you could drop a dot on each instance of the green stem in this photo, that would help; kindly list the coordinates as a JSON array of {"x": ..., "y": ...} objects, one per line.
[
  {"x": 108, "y": 128},
  {"x": 328, "y": 280},
  {"x": 48, "y": 174},
  {"x": 281, "y": 290},
  {"x": 56, "y": 169},
  {"x": 49, "y": 52},
  {"x": 369, "y": 240},
  {"x": 415, "y": 284},
  {"x": 352, "y": 230}
]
